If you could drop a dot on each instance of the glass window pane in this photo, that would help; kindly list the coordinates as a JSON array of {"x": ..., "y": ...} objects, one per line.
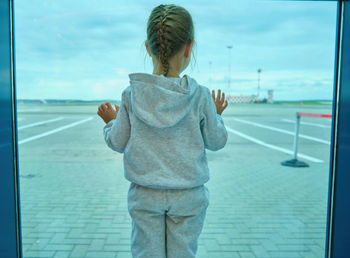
[{"x": 271, "y": 58}]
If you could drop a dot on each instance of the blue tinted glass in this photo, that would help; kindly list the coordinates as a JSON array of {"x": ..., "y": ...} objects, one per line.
[{"x": 272, "y": 60}]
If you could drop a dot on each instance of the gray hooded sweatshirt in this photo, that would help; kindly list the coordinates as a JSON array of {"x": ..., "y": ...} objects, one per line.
[{"x": 163, "y": 127}]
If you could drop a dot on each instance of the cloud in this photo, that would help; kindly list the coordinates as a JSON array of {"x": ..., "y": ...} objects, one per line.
[{"x": 86, "y": 44}]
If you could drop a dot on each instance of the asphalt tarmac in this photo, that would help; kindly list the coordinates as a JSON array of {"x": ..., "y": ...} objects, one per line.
[{"x": 73, "y": 191}]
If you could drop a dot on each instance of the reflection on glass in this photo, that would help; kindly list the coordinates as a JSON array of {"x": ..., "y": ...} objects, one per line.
[{"x": 272, "y": 59}]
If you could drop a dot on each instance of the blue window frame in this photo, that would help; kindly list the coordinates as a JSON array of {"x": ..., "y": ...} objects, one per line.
[
  {"x": 338, "y": 237},
  {"x": 338, "y": 234},
  {"x": 10, "y": 229}
]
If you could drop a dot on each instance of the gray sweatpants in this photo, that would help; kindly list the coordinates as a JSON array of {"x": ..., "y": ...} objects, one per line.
[{"x": 166, "y": 222}]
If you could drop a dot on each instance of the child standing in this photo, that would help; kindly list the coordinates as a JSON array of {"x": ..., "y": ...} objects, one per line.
[{"x": 163, "y": 126}]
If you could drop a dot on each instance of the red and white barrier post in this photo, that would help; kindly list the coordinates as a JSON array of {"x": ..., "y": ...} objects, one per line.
[{"x": 295, "y": 162}]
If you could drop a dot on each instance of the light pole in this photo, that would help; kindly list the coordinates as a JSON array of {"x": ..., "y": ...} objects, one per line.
[
  {"x": 229, "y": 66},
  {"x": 210, "y": 62},
  {"x": 259, "y": 71}
]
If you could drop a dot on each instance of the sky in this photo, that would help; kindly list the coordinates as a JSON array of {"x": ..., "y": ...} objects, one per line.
[{"x": 86, "y": 49}]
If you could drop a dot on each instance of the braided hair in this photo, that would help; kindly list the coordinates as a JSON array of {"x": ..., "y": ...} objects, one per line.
[{"x": 169, "y": 28}]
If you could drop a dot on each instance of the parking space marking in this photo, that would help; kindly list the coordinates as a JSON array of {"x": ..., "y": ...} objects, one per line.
[
  {"x": 55, "y": 130},
  {"x": 282, "y": 131},
  {"x": 307, "y": 123},
  {"x": 40, "y": 123},
  {"x": 28, "y": 110},
  {"x": 273, "y": 147}
]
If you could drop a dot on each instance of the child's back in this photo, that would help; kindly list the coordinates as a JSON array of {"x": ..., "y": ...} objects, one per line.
[
  {"x": 163, "y": 126},
  {"x": 172, "y": 120}
]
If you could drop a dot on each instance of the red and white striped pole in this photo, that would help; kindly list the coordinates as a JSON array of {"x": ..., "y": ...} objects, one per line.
[
  {"x": 296, "y": 137},
  {"x": 295, "y": 162}
]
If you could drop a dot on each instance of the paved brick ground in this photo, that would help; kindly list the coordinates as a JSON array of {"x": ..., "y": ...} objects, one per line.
[{"x": 75, "y": 205}]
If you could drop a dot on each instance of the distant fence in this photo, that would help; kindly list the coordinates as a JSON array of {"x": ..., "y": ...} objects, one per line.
[
  {"x": 251, "y": 98},
  {"x": 241, "y": 99}
]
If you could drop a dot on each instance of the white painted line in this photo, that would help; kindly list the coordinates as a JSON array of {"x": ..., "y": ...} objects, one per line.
[
  {"x": 274, "y": 147},
  {"x": 55, "y": 130},
  {"x": 282, "y": 131},
  {"x": 28, "y": 110},
  {"x": 306, "y": 123},
  {"x": 40, "y": 123}
]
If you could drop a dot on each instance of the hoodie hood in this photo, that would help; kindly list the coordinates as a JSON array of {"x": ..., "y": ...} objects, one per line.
[{"x": 161, "y": 101}]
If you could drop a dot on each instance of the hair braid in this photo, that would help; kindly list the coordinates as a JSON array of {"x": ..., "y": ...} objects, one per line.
[
  {"x": 169, "y": 28},
  {"x": 163, "y": 42}
]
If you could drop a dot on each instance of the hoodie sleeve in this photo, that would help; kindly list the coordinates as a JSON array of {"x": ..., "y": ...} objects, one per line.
[
  {"x": 212, "y": 125},
  {"x": 117, "y": 131}
]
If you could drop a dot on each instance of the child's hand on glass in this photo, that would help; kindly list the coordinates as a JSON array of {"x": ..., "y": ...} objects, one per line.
[
  {"x": 219, "y": 101},
  {"x": 107, "y": 112}
]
